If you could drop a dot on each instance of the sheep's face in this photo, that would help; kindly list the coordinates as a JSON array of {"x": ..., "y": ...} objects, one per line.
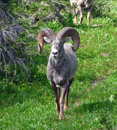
[
  {"x": 57, "y": 46},
  {"x": 73, "y": 2}
]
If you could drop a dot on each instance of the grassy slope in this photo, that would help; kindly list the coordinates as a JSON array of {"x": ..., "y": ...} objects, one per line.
[{"x": 93, "y": 95}]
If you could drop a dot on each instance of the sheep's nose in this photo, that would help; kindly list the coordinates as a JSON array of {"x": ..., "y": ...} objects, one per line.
[{"x": 54, "y": 53}]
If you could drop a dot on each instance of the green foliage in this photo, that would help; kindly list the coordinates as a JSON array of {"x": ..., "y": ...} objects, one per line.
[
  {"x": 67, "y": 20},
  {"x": 55, "y": 26}
]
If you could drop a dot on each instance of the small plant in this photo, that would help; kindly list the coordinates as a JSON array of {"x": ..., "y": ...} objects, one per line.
[{"x": 67, "y": 20}]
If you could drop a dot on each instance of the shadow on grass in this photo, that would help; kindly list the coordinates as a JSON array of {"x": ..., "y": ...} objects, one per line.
[
  {"x": 103, "y": 109},
  {"x": 12, "y": 95},
  {"x": 95, "y": 106},
  {"x": 22, "y": 89}
]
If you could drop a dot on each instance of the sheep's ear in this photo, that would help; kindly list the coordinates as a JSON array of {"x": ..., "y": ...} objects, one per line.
[
  {"x": 47, "y": 40},
  {"x": 66, "y": 39}
]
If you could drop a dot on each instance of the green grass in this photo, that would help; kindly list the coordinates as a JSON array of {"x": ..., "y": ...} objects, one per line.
[{"x": 29, "y": 104}]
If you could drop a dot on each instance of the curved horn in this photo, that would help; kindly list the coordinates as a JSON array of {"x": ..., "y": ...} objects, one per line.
[
  {"x": 45, "y": 32},
  {"x": 70, "y": 32}
]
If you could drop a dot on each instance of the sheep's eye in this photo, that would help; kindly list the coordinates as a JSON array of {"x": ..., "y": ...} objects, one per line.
[{"x": 62, "y": 42}]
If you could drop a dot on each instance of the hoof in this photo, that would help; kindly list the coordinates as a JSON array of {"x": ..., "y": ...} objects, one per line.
[
  {"x": 61, "y": 117},
  {"x": 65, "y": 108},
  {"x": 75, "y": 22},
  {"x": 79, "y": 23}
]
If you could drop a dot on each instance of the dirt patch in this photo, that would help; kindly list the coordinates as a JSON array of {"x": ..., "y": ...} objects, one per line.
[
  {"x": 105, "y": 54},
  {"x": 95, "y": 82}
]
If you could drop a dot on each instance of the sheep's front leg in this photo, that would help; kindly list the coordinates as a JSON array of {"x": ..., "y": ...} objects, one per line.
[
  {"x": 88, "y": 18},
  {"x": 75, "y": 12},
  {"x": 57, "y": 101},
  {"x": 57, "y": 96},
  {"x": 64, "y": 88},
  {"x": 67, "y": 94}
]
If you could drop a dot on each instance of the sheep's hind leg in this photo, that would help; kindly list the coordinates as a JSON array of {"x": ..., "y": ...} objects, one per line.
[
  {"x": 81, "y": 14},
  {"x": 64, "y": 89},
  {"x": 57, "y": 96},
  {"x": 89, "y": 15},
  {"x": 67, "y": 94}
]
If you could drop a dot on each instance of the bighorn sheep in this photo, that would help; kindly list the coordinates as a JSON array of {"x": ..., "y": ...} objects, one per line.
[
  {"x": 82, "y": 4},
  {"x": 62, "y": 64}
]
